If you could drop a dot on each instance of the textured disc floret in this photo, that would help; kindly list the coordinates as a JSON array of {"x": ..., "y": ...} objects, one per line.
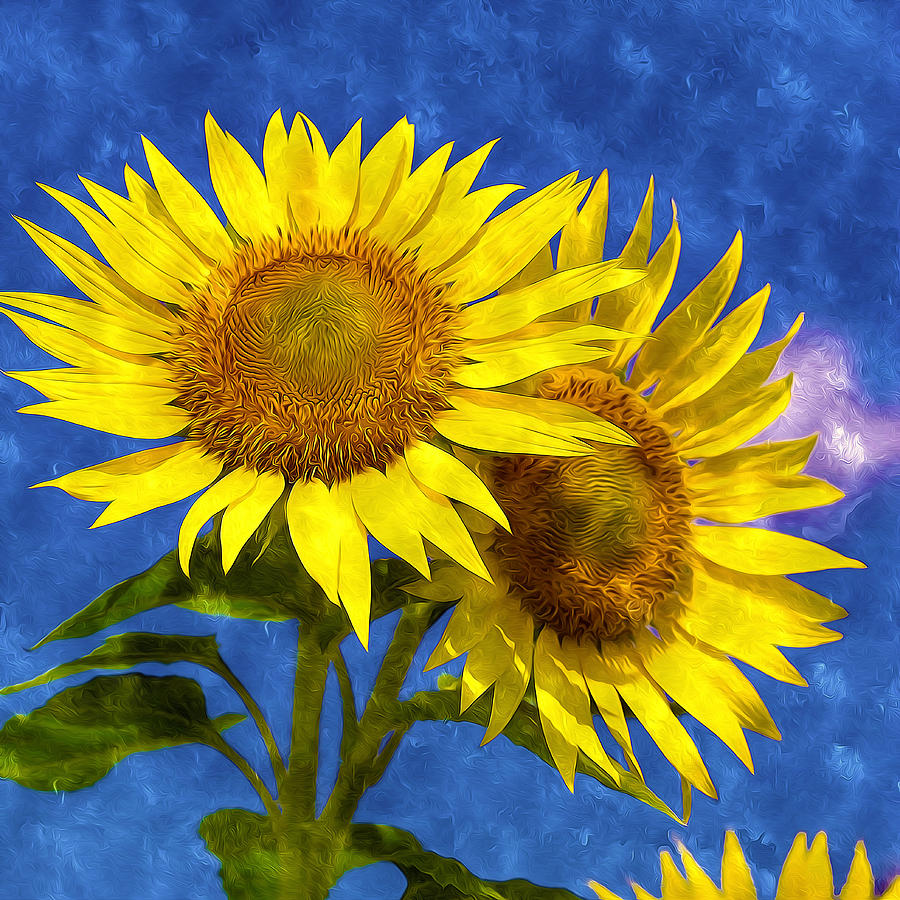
[
  {"x": 596, "y": 542},
  {"x": 317, "y": 356}
]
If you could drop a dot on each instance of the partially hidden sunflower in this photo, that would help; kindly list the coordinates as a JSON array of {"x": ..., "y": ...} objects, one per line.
[
  {"x": 615, "y": 590},
  {"x": 310, "y": 351},
  {"x": 806, "y": 875}
]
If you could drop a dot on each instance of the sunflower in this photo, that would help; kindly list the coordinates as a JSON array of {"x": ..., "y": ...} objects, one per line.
[
  {"x": 312, "y": 352},
  {"x": 614, "y": 585},
  {"x": 806, "y": 875}
]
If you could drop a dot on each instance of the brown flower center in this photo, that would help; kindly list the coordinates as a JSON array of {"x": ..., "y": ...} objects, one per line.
[
  {"x": 318, "y": 355},
  {"x": 596, "y": 540}
]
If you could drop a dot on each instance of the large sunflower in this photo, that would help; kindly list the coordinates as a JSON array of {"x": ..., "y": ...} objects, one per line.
[
  {"x": 308, "y": 351},
  {"x": 613, "y": 586},
  {"x": 806, "y": 875}
]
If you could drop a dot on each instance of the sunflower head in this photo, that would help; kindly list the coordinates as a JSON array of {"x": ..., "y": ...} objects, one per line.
[
  {"x": 806, "y": 875},
  {"x": 308, "y": 351},
  {"x": 624, "y": 583}
]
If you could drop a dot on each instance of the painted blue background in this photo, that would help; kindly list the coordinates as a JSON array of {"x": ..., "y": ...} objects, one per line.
[{"x": 776, "y": 118}]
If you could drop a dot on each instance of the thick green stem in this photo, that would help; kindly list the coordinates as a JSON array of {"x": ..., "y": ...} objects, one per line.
[
  {"x": 278, "y": 767},
  {"x": 364, "y": 762},
  {"x": 305, "y": 854}
]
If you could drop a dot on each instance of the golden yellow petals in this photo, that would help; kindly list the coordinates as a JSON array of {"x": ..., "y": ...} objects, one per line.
[
  {"x": 382, "y": 172},
  {"x": 184, "y": 203},
  {"x": 508, "y": 312},
  {"x": 508, "y": 241},
  {"x": 141, "y": 481},
  {"x": 757, "y": 551},
  {"x": 679, "y": 333},
  {"x": 770, "y": 459},
  {"x": 331, "y": 544},
  {"x": 714, "y": 355},
  {"x": 230, "y": 488},
  {"x": 245, "y": 514},
  {"x": 149, "y": 237},
  {"x": 238, "y": 184},
  {"x": 446, "y": 475},
  {"x": 582, "y": 237},
  {"x": 805, "y": 867},
  {"x": 564, "y": 707},
  {"x": 128, "y": 262}
]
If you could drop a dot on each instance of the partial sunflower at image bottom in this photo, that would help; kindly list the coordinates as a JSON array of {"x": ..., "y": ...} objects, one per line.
[
  {"x": 806, "y": 875},
  {"x": 311, "y": 353},
  {"x": 608, "y": 595}
]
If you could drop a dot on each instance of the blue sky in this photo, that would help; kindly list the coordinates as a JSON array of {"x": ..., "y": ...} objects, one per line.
[{"x": 778, "y": 119}]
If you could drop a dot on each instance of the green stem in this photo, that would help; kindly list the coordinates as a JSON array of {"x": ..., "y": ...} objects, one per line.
[
  {"x": 251, "y": 775},
  {"x": 298, "y": 793},
  {"x": 348, "y": 703},
  {"x": 363, "y": 763},
  {"x": 278, "y": 767}
]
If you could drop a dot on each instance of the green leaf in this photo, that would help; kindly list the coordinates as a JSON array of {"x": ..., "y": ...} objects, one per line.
[
  {"x": 431, "y": 876},
  {"x": 80, "y": 734},
  {"x": 271, "y": 587},
  {"x": 524, "y": 730},
  {"x": 246, "y": 846},
  {"x": 122, "y": 651}
]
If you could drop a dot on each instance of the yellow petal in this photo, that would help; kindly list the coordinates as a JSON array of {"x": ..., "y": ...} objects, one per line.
[
  {"x": 412, "y": 198},
  {"x": 754, "y": 496},
  {"x": 529, "y": 358},
  {"x": 275, "y": 167},
  {"x": 564, "y": 707},
  {"x": 382, "y": 171},
  {"x": 90, "y": 319},
  {"x": 326, "y": 534},
  {"x": 708, "y": 686},
  {"x": 474, "y": 615},
  {"x": 806, "y": 873},
  {"x": 189, "y": 210},
  {"x": 70, "y": 384},
  {"x": 238, "y": 184},
  {"x": 139, "y": 413},
  {"x": 508, "y": 241},
  {"x": 506, "y": 422},
  {"x": 446, "y": 475},
  {"x": 637, "y": 247},
  {"x": 717, "y": 424},
  {"x": 455, "y": 226},
  {"x": 339, "y": 184},
  {"x": 779, "y": 458},
  {"x": 581, "y": 240},
  {"x": 621, "y": 668},
  {"x": 78, "y": 349},
  {"x": 96, "y": 280},
  {"x": 508, "y": 312},
  {"x": 738, "y": 388},
  {"x": 141, "y": 481},
  {"x": 678, "y": 334},
  {"x": 517, "y": 629},
  {"x": 539, "y": 268},
  {"x": 757, "y": 551},
  {"x": 245, "y": 514},
  {"x": 128, "y": 262},
  {"x": 715, "y": 354},
  {"x": 780, "y": 611},
  {"x": 609, "y": 704},
  {"x": 432, "y": 515},
  {"x": 602, "y": 892},
  {"x": 860, "y": 884},
  {"x": 149, "y": 237},
  {"x": 635, "y": 308},
  {"x": 231, "y": 487},
  {"x": 395, "y": 524},
  {"x": 737, "y": 883}
]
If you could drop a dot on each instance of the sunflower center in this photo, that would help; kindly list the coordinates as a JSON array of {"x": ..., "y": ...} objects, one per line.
[
  {"x": 596, "y": 540},
  {"x": 318, "y": 355}
]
